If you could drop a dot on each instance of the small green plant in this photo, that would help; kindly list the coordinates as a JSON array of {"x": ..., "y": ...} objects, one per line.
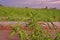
[
  {"x": 57, "y": 36},
  {"x": 37, "y": 33}
]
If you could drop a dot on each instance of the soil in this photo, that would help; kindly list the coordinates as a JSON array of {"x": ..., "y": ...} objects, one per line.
[{"x": 5, "y": 30}]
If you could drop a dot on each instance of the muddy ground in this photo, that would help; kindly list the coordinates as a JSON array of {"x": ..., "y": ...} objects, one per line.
[{"x": 5, "y": 29}]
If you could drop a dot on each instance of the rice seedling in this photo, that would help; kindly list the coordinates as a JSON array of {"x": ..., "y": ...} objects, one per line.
[{"x": 31, "y": 16}]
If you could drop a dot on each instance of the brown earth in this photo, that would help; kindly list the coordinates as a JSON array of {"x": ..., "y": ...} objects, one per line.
[{"x": 5, "y": 30}]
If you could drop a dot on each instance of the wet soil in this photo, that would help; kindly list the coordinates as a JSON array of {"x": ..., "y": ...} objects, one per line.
[{"x": 5, "y": 30}]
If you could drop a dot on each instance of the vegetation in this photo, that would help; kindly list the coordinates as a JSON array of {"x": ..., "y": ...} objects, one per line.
[
  {"x": 16, "y": 14},
  {"x": 35, "y": 33},
  {"x": 34, "y": 30}
]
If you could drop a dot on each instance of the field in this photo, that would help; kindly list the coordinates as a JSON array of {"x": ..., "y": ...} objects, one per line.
[
  {"x": 17, "y": 14},
  {"x": 35, "y": 18}
]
